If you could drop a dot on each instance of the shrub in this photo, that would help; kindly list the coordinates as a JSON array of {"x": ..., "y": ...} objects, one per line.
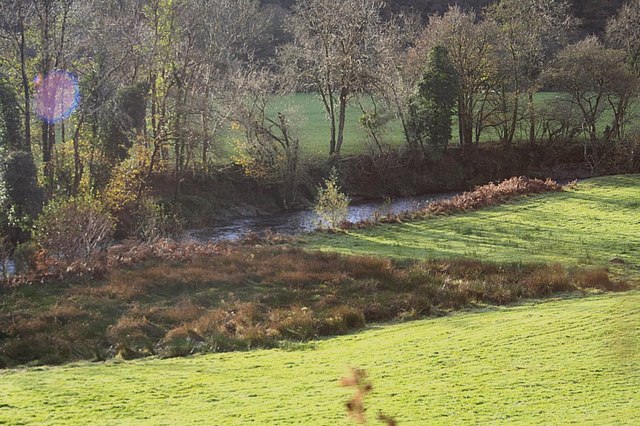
[
  {"x": 296, "y": 323},
  {"x": 597, "y": 279},
  {"x": 24, "y": 257},
  {"x": 332, "y": 206},
  {"x": 180, "y": 342},
  {"x": 156, "y": 221},
  {"x": 20, "y": 197},
  {"x": 74, "y": 228},
  {"x": 341, "y": 320},
  {"x": 134, "y": 334}
]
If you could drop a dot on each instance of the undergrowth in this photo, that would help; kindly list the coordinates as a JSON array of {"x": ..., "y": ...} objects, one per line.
[
  {"x": 482, "y": 196},
  {"x": 180, "y": 300}
]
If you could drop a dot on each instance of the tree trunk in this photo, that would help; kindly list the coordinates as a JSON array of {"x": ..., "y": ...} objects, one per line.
[
  {"x": 78, "y": 167},
  {"x": 332, "y": 117},
  {"x": 25, "y": 88},
  {"x": 514, "y": 119},
  {"x": 341, "y": 121},
  {"x": 532, "y": 121}
]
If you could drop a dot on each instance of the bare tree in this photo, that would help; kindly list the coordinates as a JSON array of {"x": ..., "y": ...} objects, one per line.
[
  {"x": 623, "y": 32},
  {"x": 270, "y": 148},
  {"x": 335, "y": 51},
  {"x": 594, "y": 77},
  {"x": 532, "y": 31}
]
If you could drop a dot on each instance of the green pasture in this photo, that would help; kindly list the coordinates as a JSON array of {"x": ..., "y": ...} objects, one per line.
[
  {"x": 597, "y": 223},
  {"x": 312, "y": 126},
  {"x": 565, "y": 361}
]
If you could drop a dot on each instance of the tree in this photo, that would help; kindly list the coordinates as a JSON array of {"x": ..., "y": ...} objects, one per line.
[
  {"x": 127, "y": 119},
  {"x": 623, "y": 32},
  {"x": 23, "y": 197},
  {"x": 472, "y": 47},
  {"x": 269, "y": 151},
  {"x": 332, "y": 205},
  {"x": 15, "y": 17},
  {"x": 335, "y": 51},
  {"x": 11, "y": 135},
  {"x": 20, "y": 197},
  {"x": 594, "y": 77},
  {"x": 532, "y": 31},
  {"x": 433, "y": 105}
]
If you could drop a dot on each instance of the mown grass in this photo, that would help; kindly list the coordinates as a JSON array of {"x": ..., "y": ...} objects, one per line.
[
  {"x": 572, "y": 360},
  {"x": 595, "y": 224}
]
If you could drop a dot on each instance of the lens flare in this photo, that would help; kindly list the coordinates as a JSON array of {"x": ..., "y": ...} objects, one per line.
[{"x": 57, "y": 96}]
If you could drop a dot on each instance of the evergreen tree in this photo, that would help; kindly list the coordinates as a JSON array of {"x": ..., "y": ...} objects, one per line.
[
  {"x": 432, "y": 106},
  {"x": 20, "y": 197}
]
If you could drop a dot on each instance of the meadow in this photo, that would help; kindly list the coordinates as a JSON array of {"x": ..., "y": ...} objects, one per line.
[
  {"x": 595, "y": 224},
  {"x": 502, "y": 315},
  {"x": 312, "y": 127},
  {"x": 562, "y": 361}
]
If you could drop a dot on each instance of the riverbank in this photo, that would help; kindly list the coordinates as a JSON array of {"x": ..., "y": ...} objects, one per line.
[
  {"x": 228, "y": 195},
  {"x": 176, "y": 299},
  {"x": 594, "y": 224}
]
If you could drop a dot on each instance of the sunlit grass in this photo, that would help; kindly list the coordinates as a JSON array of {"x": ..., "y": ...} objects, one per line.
[
  {"x": 574, "y": 360},
  {"x": 312, "y": 127},
  {"x": 595, "y": 224}
]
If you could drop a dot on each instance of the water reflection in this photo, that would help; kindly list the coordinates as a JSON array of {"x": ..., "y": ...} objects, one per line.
[
  {"x": 7, "y": 265},
  {"x": 291, "y": 223}
]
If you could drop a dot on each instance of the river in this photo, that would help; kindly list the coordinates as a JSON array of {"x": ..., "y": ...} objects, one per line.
[{"x": 300, "y": 222}]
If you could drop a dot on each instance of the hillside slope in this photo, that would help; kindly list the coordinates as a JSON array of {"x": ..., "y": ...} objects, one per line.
[
  {"x": 593, "y": 13},
  {"x": 596, "y": 224},
  {"x": 574, "y": 360}
]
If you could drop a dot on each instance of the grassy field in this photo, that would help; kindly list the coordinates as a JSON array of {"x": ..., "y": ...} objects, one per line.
[
  {"x": 571, "y": 360},
  {"x": 313, "y": 128},
  {"x": 591, "y": 225}
]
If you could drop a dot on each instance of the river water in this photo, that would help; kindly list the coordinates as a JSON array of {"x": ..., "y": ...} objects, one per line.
[
  {"x": 9, "y": 265},
  {"x": 299, "y": 222}
]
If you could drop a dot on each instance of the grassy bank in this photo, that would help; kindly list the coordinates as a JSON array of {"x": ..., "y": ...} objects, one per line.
[
  {"x": 239, "y": 298},
  {"x": 559, "y": 362},
  {"x": 594, "y": 224}
]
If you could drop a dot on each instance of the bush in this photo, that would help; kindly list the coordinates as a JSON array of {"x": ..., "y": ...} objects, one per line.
[
  {"x": 74, "y": 228},
  {"x": 24, "y": 257},
  {"x": 20, "y": 197},
  {"x": 156, "y": 221},
  {"x": 341, "y": 320},
  {"x": 332, "y": 206}
]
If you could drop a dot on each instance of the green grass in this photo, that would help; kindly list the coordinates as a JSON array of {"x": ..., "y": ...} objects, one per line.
[
  {"x": 313, "y": 127},
  {"x": 571, "y": 360},
  {"x": 591, "y": 225}
]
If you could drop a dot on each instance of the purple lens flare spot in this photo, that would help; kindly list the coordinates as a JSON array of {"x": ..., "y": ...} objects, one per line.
[{"x": 57, "y": 96}]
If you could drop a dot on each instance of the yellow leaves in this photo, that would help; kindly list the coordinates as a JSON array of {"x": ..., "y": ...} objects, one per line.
[
  {"x": 126, "y": 180},
  {"x": 250, "y": 166}
]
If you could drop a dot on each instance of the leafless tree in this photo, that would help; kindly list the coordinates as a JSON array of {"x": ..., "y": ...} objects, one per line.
[
  {"x": 336, "y": 49},
  {"x": 594, "y": 77},
  {"x": 623, "y": 32},
  {"x": 269, "y": 150},
  {"x": 532, "y": 31}
]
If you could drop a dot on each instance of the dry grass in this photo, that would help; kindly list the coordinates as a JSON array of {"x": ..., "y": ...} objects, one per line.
[
  {"x": 482, "y": 196},
  {"x": 238, "y": 298}
]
